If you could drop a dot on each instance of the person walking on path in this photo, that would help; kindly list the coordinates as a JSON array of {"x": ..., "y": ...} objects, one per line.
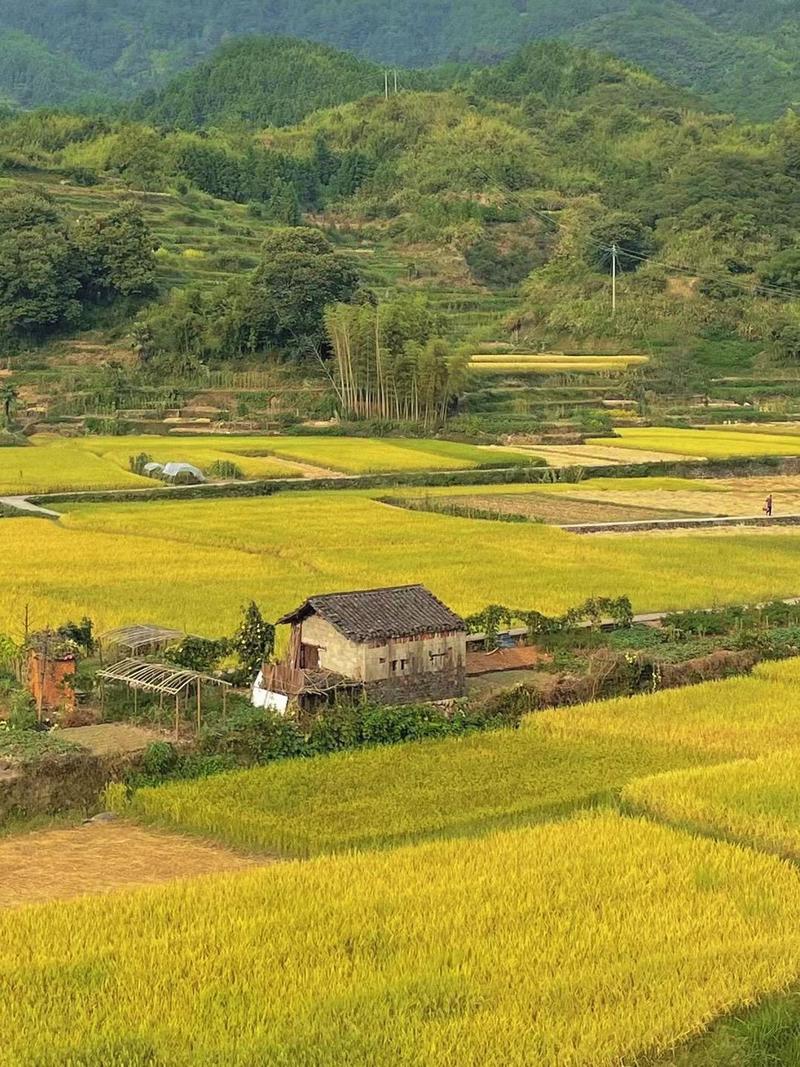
[{"x": 768, "y": 506}]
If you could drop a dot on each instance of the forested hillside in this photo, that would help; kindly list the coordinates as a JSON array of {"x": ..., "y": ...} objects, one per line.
[
  {"x": 269, "y": 81},
  {"x": 517, "y": 181},
  {"x": 741, "y": 54}
]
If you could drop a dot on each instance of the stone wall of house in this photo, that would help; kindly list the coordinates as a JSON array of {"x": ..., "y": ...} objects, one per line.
[
  {"x": 419, "y": 688},
  {"x": 409, "y": 656}
]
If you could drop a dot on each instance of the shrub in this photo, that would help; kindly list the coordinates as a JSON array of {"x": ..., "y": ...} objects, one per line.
[
  {"x": 225, "y": 469},
  {"x": 160, "y": 758},
  {"x": 23, "y": 712},
  {"x": 252, "y": 735},
  {"x": 138, "y": 463}
]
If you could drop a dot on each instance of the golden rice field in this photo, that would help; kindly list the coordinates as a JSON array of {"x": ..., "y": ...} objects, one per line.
[
  {"x": 56, "y": 464},
  {"x": 551, "y": 363},
  {"x": 754, "y": 801},
  {"x": 386, "y": 796},
  {"x": 558, "y": 759},
  {"x": 716, "y": 443},
  {"x": 192, "y": 564},
  {"x": 362, "y": 455},
  {"x": 748, "y": 716},
  {"x": 587, "y": 943}
]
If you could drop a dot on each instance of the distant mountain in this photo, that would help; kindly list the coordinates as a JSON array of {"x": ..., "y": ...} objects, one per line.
[
  {"x": 741, "y": 53},
  {"x": 266, "y": 81}
]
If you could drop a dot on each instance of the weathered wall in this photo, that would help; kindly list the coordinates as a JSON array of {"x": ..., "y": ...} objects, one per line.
[
  {"x": 336, "y": 652},
  {"x": 429, "y": 654},
  {"x": 51, "y": 681}
]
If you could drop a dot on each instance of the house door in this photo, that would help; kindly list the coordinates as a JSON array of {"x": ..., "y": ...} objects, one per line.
[{"x": 309, "y": 657}]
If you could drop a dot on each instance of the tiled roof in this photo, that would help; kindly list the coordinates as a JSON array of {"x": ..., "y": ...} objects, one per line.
[{"x": 379, "y": 614}]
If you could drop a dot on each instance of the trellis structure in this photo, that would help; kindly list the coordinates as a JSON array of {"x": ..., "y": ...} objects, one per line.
[
  {"x": 132, "y": 639},
  {"x": 140, "y": 676}
]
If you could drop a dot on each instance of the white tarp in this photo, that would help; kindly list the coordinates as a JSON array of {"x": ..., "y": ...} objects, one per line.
[{"x": 264, "y": 698}]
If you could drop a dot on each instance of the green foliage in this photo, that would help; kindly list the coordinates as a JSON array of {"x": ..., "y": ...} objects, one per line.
[
  {"x": 198, "y": 653},
  {"x": 117, "y": 250},
  {"x": 741, "y": 57},
  {"x": 51, "y": 270},
  {"x": 627, "y": 234},
  {"x": 254, "y": 640},
  {"x": 22, "y": 716},
  {"x": 267, "y": 81},
  {"x": 783, "y": 270}
]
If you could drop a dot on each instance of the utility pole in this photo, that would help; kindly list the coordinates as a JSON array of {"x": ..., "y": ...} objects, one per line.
[
  {"x": 613, "y": 279},
  {"x": 386, "y": 84},
  {"x": 395, "y": 83}
]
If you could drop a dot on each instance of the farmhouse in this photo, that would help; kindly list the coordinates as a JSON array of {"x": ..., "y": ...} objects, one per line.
[{"x": 397, "y": 645}]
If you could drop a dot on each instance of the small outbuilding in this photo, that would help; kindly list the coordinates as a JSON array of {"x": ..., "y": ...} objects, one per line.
[{"x": 398, "y": 645}]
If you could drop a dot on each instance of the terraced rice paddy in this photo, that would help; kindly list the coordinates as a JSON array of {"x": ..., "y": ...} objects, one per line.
[
  {"x": 717, "y": 443},
  {"x": 621, "y": 499},
  {"x": 551, "y": 363},
  {"x": 192, "y": 564},
  {"x": 752, "y": 801},
  {"x": 55, "y": 464},
  {"x": 386, "y": 796},
  {"x": 558, "y": 509},
  {"x": 750, "y": 716},
  {"x": 518, "y": 948}
]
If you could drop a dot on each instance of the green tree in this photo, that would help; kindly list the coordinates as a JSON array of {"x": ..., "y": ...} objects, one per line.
[
  {"x": 38, "y": 281},
  {"x": 254, "y": 640},
  {"x": 631, "y": 237},
  {"x": 783, "y": 270},
  {"x": 117, "y": 251}
]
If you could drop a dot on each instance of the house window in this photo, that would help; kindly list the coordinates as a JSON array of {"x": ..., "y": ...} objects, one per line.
[
  {"x": 309, "y": 657},
  {"x": 399, "y": 666}
]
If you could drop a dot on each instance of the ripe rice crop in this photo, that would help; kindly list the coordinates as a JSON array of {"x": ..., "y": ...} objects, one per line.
[
  {"x": 752, "y": 801},
  {"x": 583, "y": 944},
  {"x": 364, "y": 455},
  {"x": 572, "y": 366},
  {"x": 55, "y": 464},
  {"x": 750, "y": 716},
  {"x": 711, "y": 444},
  {"x": 383, "y": 796},
  {"x": 192, "y": 564}
]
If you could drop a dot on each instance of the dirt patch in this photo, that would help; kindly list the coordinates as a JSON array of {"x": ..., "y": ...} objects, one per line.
[
  {"x": 558, "y": 509},
  {"x": 109, "y": 738},
  {"x": 522, "y": 657},
  {"x": 98, "y": 857}
]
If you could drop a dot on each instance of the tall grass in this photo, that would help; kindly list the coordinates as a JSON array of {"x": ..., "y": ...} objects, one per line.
[{"x": 583, "y": 944}]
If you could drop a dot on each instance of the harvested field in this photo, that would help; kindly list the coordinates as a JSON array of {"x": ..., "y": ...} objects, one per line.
[
  {"x": 594, "y": 454},
  {"x": 560, "y": 509},
  {"x": 729, "y": 496},
  {"x": 98, "y": 857}
]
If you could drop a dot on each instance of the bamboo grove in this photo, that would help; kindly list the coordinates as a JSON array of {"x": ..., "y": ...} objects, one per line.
[{"x": 390, "y": 361}]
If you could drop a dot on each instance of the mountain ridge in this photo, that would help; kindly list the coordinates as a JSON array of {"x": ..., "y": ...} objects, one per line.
[{"x": 742, "y": 57}]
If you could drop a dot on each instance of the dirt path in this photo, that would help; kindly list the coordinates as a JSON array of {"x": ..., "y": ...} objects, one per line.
[
  {"x": 98, "y": 857},
  {"x": 21, "y": 503}
]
